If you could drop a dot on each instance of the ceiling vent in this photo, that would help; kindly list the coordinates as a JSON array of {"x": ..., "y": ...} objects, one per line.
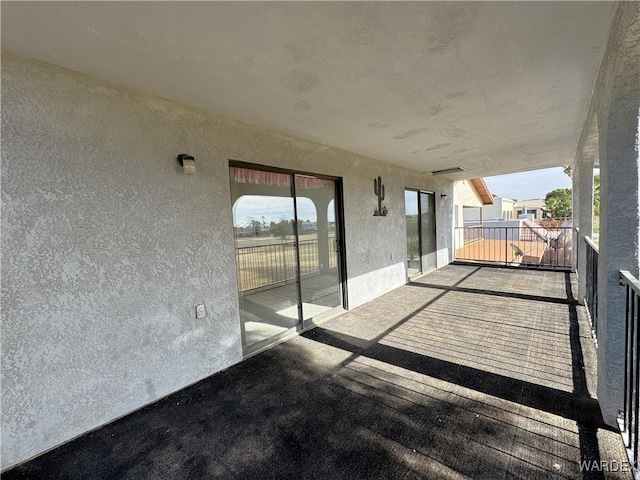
[{"x": 449, "y": 170}]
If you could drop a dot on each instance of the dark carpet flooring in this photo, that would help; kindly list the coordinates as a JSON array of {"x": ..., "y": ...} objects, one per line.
[{"x": 470, "y": 372}]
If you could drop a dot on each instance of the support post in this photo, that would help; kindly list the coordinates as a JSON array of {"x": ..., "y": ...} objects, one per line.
[
  {"x": 583, "y": 216},
  {"x": 619, "y": 245}
]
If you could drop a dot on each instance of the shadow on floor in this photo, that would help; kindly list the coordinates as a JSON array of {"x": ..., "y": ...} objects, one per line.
[{"x": 429, "y": 388}]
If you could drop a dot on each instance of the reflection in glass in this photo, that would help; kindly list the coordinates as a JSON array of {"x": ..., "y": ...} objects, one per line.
[
  {"x": 428, "y": 230},
  {"x": 333, "y": 239},
  {"x": 413, "y": 232},
  {"x": 320, "y": 278},
  {"x": 266, "y": 254},
  {"x": 286, "y": 252}
]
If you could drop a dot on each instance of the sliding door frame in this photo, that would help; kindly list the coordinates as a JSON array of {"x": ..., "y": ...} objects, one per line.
[
  {"x": 340, "y": 232},
  {"x": 419, "y": 191}
]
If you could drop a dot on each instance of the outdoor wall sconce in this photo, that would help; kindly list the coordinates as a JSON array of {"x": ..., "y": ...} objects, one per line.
[
  {"x": 378, "y": 189},
  {"x": 443, "y": 196},
  {"x": 188, "y": 164}
]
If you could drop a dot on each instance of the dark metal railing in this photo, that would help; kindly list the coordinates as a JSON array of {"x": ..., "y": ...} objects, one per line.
[
  {"x": 472, "y": 233},
  {"x": 628, "y": 419},
  {"x": 591, "y": 272},
  {"x": 530, "y": 246},
  {"x": 264, "y": 265}
]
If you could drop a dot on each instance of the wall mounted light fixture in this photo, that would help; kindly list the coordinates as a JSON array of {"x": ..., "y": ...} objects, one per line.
[
  {"x": 188, "y": 164},
  {"x": 443, "y": 196}
]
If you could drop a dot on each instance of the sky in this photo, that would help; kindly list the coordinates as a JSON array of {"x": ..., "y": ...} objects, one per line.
[{"x": 528, "y": 185}]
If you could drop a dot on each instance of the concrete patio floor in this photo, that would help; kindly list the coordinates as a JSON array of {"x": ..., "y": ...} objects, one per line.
[{"x": 469, "y": 372}]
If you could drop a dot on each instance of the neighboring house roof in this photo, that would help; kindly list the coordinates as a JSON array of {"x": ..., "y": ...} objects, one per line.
[{"x": 483, "y": 190}]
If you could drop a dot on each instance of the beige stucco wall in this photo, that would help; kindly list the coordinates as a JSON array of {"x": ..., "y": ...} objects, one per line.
[
  {"x": 501, "y": 209},
  {"x": 465, "y": 195},
  {"x": 107, "y": 247},
  {"x": 533, "y": 203},
  {"x": 507, "y": 207}
]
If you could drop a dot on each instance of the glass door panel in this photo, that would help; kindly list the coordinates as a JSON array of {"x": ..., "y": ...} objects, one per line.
[
  {"x": 317, "y": 246},
  {"x": 428, "y": 231},
  {"x": 413, "y": 232},
  {"x": 266, "y": 254}
]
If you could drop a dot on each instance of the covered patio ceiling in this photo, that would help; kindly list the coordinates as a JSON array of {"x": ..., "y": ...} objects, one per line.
[{"x": 491, "y": 87}]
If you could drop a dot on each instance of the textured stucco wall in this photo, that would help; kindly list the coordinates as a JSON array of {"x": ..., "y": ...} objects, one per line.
[
  {"x": 610, "y": 135},
  {"x": 618, "y": 111},
  {"x": 466, "y": 195},
  {"x": 107, "y": 246},
  {"x": 582, "y": 205}
]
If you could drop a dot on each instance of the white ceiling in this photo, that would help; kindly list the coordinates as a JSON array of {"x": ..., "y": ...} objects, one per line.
[{"x": 493, "y": 87}]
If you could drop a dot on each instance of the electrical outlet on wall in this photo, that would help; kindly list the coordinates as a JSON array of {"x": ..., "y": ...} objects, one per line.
[{"x": 201, "y": 312}]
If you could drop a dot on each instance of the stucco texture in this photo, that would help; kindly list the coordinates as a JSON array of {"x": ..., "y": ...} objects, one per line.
[
  {"x": 466, "y": 195},
  {"x": 107, "y": 247},
  {"x": 610, "y": 137}
]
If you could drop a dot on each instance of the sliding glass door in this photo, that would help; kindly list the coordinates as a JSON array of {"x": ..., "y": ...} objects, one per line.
[
  {"x": 428, "y": 231},
  {"x": 420, "y": 215},
  {"x": 287, "y": 238},
  {"x": 318, "y": 246},
  {"x": 413, "y": 232}
]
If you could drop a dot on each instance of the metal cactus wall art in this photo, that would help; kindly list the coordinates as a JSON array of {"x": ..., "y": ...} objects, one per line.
[{"x": 378, "y": 189}]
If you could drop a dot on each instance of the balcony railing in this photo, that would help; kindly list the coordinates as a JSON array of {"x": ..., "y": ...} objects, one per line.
[
  {"x": 530, "y": 246},
  {"x": 591, "y": 298},
  {"x": 628, "y": 419},
  {"x": 264, "y": 265},
  {"x": 472, "y": 233}
]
